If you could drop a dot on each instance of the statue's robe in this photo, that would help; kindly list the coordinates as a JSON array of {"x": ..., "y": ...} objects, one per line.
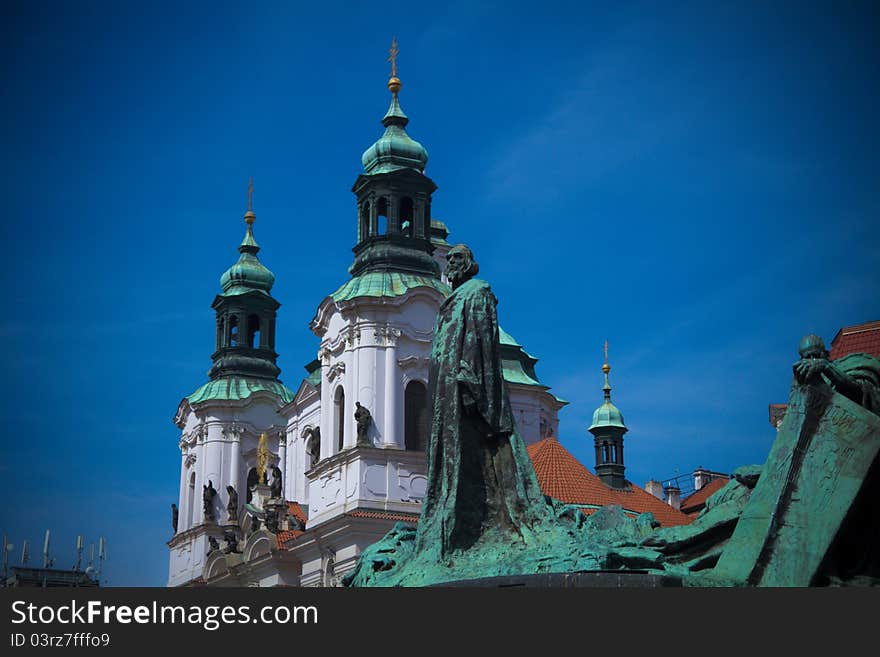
[
  {"x": 864, "y": 369},
  {"x": 480, "y": 478}
]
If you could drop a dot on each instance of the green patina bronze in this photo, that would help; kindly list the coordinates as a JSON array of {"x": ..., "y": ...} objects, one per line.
[
  {"x": 387, "y": 284},
  {"x": 806, "y": 517},
  {"x": 234, "y": 388}
]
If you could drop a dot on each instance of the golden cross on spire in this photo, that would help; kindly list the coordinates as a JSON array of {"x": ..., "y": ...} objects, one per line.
[
  {"x": 606, "y": 367},
  {"x": 606, "y": 351},
  {"x": 393, "y": 58},
  {"x": 250, "y": 194}
]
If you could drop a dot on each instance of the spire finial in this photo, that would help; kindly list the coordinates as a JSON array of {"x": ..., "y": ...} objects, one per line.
[
  {"x": 249, "y": 216},
  {"x": 606, "y": 368},
  {"x": 394, "y": 83}
]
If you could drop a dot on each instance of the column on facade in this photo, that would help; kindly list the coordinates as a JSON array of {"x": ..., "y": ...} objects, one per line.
[
  {"x": 326, "y": 405},
  {"x": 282, "y": 462},
  {"x": 351, "y": 392},
  {"x": 197, "y": 518},
  {"x": 182, "y": 511},
  {"x": 213, "y": 460},
  {"x": 235, "y": 460},
  {"x": 374, "y": 216},
  {"x": 389, "y": 435}
]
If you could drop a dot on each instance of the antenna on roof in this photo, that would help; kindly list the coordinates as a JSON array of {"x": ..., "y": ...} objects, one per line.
[
  {"x": 7, "y": 548},
  {"x": 46, "y": 562},
  {"x": 101, "y": 555},
  {"x": 24, "y": 553},
  {"x": 79, "y": 552},
  {"x": 91, "y": 555}
]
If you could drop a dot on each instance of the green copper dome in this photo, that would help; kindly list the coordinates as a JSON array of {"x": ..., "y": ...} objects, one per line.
[
  {"x": 395, "y": 149},
  {"x": 607, "y": 415},
  {"x": 248, "y": 273}
]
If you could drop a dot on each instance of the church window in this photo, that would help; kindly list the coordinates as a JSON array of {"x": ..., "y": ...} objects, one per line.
[
  {"x": 233, "y": 331},
  {"x": 406, "y": 216},
  {"x": 415, "y": 416},
  {"x": 382, "y": 212},
  {"x": 254, "y": 331},
  {"x": 339, "y": 412}
]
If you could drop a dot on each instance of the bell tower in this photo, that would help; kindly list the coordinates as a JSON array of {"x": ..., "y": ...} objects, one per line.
[
  {"x": 394, "y": 198},
  {"x": 245, "y": 342},
  {"x": 608, "y": 429}
]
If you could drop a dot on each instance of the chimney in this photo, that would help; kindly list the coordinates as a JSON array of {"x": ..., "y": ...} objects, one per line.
[
  {"x": 655, "y": 488},
  {"x": 673, "y": 495},
  {"x": 701, "y": 477}
]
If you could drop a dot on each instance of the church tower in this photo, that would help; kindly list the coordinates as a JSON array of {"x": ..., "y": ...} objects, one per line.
[
  {"x": 608, "y": 429},
  {"x": 221, "y": 422},
  {"x": 375, "y": 336},
  {"x": 245, "y": 343}
]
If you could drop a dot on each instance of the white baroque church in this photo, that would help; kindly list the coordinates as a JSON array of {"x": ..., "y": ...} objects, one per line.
[{"x": 338, "y": 484}]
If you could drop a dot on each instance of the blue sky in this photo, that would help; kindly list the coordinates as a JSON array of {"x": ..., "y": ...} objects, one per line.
[{"x": 697, "y": 183}]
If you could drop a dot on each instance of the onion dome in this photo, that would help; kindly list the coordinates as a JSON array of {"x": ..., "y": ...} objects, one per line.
[
  {"x": 248, "y": 274},
  {"x": 395, "y": 149},
  {"x": 607, "y": 415}
]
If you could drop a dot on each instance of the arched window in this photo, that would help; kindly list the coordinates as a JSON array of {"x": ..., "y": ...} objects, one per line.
[
  {"x": 233, "y": 331},
  {"x": 339, "y": 416},
  {"x": 415, "y": 433},
  {"x": 254, "y": 331},
  {"x": 382, "y": 212},
  {"x": 405, "y": 216},
  {"x": 252, "y": 480}
]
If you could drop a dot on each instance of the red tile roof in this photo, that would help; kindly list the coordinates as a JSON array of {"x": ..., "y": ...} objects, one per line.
[
  {"x": 563, "y": 477},
  {"x": 695, "y": 502},
  {"x": 297, "y": 512},
  {"x": 290, "y": 535},
  {"x": 853, "y": 339},
  {"x": 287, "y": 536}
]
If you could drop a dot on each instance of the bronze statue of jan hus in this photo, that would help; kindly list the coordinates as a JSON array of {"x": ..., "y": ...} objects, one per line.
[{"x": 480, "y": 478}]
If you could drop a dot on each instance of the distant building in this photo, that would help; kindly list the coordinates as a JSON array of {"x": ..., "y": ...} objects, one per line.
[{"x": 50, "y": 578}]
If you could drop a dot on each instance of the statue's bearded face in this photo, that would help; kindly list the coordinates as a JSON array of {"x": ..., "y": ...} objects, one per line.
[{"x": 458, "y": 265}]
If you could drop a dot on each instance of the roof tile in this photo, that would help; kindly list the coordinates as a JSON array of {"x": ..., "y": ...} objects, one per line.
[
  {"x": 695, "y": 502},
  {"x": 863, "y": 338},
  {"x": 565, "y": 478}
]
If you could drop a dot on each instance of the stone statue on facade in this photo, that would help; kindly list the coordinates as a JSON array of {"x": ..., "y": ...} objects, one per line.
[
  {"x": 213, "y": 543},
  {"x": 231, "y": 539},
  {"x": 363, "y": 418},
  {"x": 232, "y": 506},
  {"x": 174, "y": 517},
  {"x": 208, "y": 495},
  {"x": 276, "y": 486}
]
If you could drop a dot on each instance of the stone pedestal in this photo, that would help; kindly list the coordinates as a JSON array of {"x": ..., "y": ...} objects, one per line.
[{"x": 583, "y": 579}]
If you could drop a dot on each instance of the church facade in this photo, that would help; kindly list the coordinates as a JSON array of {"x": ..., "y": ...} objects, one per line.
[{"x": 345, "y": 448}]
